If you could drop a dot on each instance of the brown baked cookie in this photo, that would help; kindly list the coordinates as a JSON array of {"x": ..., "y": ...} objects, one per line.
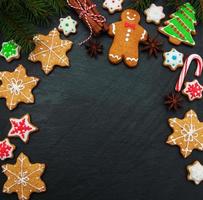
[{"x": 127, "y": 34}]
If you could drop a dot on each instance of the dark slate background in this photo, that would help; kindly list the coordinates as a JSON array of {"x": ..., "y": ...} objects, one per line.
[{"x": 103, "y": 127}]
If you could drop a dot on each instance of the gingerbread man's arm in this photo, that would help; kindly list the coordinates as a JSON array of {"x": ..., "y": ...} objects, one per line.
[
  {"x": 112, "y": 29},
  {"x": 144, "y": 34}
]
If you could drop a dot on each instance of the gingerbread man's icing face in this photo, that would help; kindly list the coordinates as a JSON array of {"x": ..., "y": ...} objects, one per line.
[{"x": 131, "y": 16}]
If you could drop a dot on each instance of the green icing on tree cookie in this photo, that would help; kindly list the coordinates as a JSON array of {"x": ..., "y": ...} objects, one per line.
[
  {"x": 182, "y": 25},
  {"x": 10, "y": 50}
]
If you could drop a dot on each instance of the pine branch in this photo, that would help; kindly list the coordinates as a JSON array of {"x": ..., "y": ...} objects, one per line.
[{"x": 141, "y": 5}]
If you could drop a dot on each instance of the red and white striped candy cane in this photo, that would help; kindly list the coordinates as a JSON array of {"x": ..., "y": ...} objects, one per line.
[{"x": 186, "y": 66}]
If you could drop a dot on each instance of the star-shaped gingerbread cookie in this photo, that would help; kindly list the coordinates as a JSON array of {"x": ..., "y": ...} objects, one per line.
[
  {"x": 22, "y": 128},
  {"x": 187, "y": 133},
  {"x": 154, "y": 14},
  {"x": 17, "y": 87},
  {"x": 193, "y": 90},
  {"x": 6, "y": 149},
  {"x": 23, "y": 178},
  {"x": 195, "y": 172},
  {"x": 50, "y": 50}
]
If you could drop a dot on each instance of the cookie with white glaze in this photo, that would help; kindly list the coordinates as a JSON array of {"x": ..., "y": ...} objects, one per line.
[{"x": 113, "y": 5}]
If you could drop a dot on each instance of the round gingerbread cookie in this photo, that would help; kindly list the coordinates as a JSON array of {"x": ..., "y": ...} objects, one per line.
[
  {"x": 67, "y": 25},
  {"x": 113, "y": 5},
  {"x": 173, "y": 59}
]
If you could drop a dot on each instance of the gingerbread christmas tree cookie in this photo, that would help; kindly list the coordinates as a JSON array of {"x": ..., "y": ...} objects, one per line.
[
  {"x": 10, "y": 50},
  {"x": 17, "y": 87},
  {"x": 23, "y": 178},
  {"x": 22, "y": 128},
  {"x": 6, "y": 149},
  {"x": 181, "y": 27},
  {"x": 187, "y": 133},
  {"x": 50, "y": 50}
]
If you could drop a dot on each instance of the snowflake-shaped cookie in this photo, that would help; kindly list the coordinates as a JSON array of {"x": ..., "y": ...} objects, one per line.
[
  {"x": 187, "y": 133},
  {"x": 113, "y": 5},
  {"x": 17, "y": 87},
  {"x": 173, "y": 59},
  {"x": 22, "y": 128},
  {"x": 6, "y": 149},
  {"x": 195, "y": 172},
  {"x": 10, "y": 50},
  {"x": 193, "y": 90},
  {"x": 23, "y": 178},
  {"x": 67, "y": 25},
  {"x": 50, "y": 50},
  {"x": 154, "y": 14}
]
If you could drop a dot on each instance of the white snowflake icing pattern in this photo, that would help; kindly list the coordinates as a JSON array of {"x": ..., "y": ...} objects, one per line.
[
  {"x": 195, "y": 172},
  {"x": 67, "y": 25},
  {"x": 113, "y": 5},
  {"x": 23, "y": 177},
  {"x": 173, "y": 59},
  {"x": 154, "y": 14}
]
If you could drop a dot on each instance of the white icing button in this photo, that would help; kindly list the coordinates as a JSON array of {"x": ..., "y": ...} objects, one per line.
[
  {"x": 129, "y": 30},
  {"x": 126, "y": 39}
]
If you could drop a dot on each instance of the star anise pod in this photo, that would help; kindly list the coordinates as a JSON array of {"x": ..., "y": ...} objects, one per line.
[
  {"x": 153, "y": 46},
  {"x": 94, "y": 48},
  {"x": 173, "y": 101}
]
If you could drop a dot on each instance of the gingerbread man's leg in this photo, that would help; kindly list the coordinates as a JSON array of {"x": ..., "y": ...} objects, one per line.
[
  {"x": 131, "y": 56},
  {"x": 115, "y": 54}
]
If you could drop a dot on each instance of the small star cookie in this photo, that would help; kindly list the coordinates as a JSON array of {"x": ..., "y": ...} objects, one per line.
[
  {"x": 193, "y": 90},
  {"x": 195, "y": 172},
  {"x": 67, "y": 25},
  {"x": 154, "y": 14},
  {"x": 22, "y": 128},
  {"x": 10, "y": 50},
  {"x": 23, "y": 178},
  {"x": 113, "y": 5},
  {"x": 50, "y": 50},
  {"x": 173, "y": 59},
  {"x": 6, "y": 149},
  {"x": 17, "y": 87},
  {"x": 187, "y": 133}
]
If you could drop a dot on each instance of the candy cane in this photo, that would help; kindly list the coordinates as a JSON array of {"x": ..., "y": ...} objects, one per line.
[{"x": 186, "y": 66}]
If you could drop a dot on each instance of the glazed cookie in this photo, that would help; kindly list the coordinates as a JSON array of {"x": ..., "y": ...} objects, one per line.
[
  {"x": 113, "y": 5},
  {"x": 10, "y": 50},
  {"x": 173, "y": 59},
  {"x": 67, "y": 25},
  {"x": 154, "y": 14},
  {"x": 187, "y": 133},
  {"x": 193, "y": 90},
  {"x": 127, "y": 34},
  {"x": 16, "y": 87},
  {"x": 50, "y": 50},
  {"x": 22, "y": 128},
  {"x": 6, "y": 149},
  {"x": 23, "y": 178},
  {"x": 181, "y": 27},
  {"x": 195, "y": 172}
]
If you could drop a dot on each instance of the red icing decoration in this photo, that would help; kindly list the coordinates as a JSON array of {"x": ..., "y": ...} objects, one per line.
[
  {"x": 5, "y": 149},
  {"x": 131, "y": 26}
]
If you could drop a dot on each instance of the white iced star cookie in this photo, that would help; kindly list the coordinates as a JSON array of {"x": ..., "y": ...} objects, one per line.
[
  {"x": 154, "y": 14},
  {"x": 113, "y": 5},
  {"x": 67, "y": 25},
  {"x": 195, "y": 172},
  {"x": 173, "y": 59}
]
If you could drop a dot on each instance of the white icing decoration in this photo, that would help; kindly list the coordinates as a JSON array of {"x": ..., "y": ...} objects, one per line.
[
  {"x": 113, "y": 29},
  {"x": 195, "y": 172},
  {"x": 143, "y": 35},
  {"x": 113, "y": 5},
  {"x": 132, "y": 59},
  {"x": 115, "y": 56},
  {"x": 173, "y": 59},
  {"x": 67, "y": 25},
  {"x": 154, "y": 14}
]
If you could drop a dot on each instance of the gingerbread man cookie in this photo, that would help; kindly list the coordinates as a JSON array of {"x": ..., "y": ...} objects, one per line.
[
  {"x": 113, "y": 5},
  {"x": 127, "y": 34}
]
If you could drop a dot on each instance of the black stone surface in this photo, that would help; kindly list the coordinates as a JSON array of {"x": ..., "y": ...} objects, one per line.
[{"x": 103, "y": 127}]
